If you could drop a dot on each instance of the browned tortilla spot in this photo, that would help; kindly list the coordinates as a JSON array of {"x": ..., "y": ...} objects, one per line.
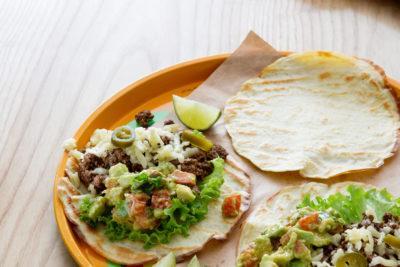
[
  {"x": 324, "y": 75},
  {"x": 324, "y": 54}
]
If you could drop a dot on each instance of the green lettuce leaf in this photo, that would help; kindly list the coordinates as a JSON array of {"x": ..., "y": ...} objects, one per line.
[
  {"x": 178, "y": 218},
  {"x": 354, "y": 203},
  {"x": 84, "y": 207},
  {"x": 146, "y": 183}
]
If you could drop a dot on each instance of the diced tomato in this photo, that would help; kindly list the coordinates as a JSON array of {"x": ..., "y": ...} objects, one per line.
[
  {"x": 184, "y": 178},
  {"x": 299, "y": 248},
  {"x": 248, "y": 258},
  {"x": 160, "y": 199},
  {"x": 139, "y": 204},
  {"x": 140, "y": 211},
  {"x": 231, "y": 206},
  {"x": 308, "y": 222}
]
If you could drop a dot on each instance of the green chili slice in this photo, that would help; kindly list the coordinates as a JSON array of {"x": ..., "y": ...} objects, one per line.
[
  {"x": 352, "y": 259},
  {"x": 123, "y": 136},
  {"x": 197, "y": 139},
  {"x": 392, "y": 241}
]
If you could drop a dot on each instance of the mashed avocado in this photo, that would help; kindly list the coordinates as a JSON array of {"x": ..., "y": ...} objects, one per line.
[{"x": 292, "y": 244}]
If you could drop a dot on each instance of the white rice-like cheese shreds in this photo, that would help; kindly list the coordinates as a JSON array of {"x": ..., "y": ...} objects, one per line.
[
  {"x": 173, "y": 128},
  {"x": 190, "y": 151},
  {"x": 100, "y": 135},
  {"x": 100, "y": 171},
  {"x": 318, "y": 257},
  {"x": 358, "y": 236},
  {"x": 337, "y": 255},
  {"x": 100, "y": 142},
  {"x": 350, "y": 247},
  {"x": 354, "y": 235},
  {"x": 139, "y": 145},
  {"x": 369, "y": 212},
  {"x": 140, "y": 133},
  {"x": 91, "y": 189},
  {"x": 386, "y": 229},
  {"x": 373, "y": 231},
  {"x": 69, "y": 144},
  {"x": 397, "y": 232},
  {"x": 358, "y": 245},
  {"x": 379, "y": 260},
  {"x": 165, "y": 153},
  {"x": 76, "y": 154},
  {"x": 148, "y": 147},
  {"x": 141, "y": 158}
]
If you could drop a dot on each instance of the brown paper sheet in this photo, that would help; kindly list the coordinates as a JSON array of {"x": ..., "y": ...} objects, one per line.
[{"x": 247, "y": 62}]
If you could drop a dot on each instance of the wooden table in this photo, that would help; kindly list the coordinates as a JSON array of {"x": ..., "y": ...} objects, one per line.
[{"x": 61, "y": 59}]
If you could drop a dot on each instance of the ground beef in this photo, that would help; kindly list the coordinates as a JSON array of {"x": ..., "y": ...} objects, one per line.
[
  {"x": 175, "y": 162},
  {"x": 86, "y": 176},
  {"x": 118, "y": 155},
  {"x": 144, "y": 118},
  {"x": 217, "y": 151},
  {"x": 275, "y": 242},
  {"x": 169, "y": 122},
  {"x": 199, "y": 168},
  {"x": 200, "y": 156},
  {"x": 98, "y": 182},
  {"x": 166, "y": 140},
  {"x": 91, "y": 162},
  {"x": 86, "y": 165},
  {"x": 199, "y": 163},
  {"x": 136, "y": 167},
  {"x": 328, "y": 250},
  {"x": 387, "y": 217}
]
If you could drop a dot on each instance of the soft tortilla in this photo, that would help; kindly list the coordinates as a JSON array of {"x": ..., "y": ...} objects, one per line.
[
  {"x": 321, "y": 113},
  {"x": 215, "y": 226},
  {"x": 278, "y": 208}
]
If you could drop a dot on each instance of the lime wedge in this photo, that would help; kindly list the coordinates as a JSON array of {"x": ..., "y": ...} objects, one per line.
[
  {"x": 166, "y": 261},
  {"x": 195, "y": 115},
  {"x": 194, "y": 262}
]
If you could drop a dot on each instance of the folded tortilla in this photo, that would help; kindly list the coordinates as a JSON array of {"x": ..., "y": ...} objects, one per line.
[
  {"x": 320, "y": 113},
  {"x": 214, "y": 226},
  {"x": 278, "y": 208}
]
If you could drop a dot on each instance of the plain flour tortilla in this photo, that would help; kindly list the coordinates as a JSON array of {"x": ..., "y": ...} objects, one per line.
[
  {"x": 321, "y": 113},
  {"x": 278, "y": 208},
  {"x": 214, "y": 226}
]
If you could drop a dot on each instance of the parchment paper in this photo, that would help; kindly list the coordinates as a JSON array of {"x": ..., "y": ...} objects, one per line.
[{"x": 246, "y": 62}]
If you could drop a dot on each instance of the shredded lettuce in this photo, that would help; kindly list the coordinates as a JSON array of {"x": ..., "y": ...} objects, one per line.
[
  {"x": 210, "y": 185},
  {"x": 354, "y": 203},
  {"x": 146, "y": 183},
  {"x": 178, "y": 218},
  {"x": 84, "y": 208}
]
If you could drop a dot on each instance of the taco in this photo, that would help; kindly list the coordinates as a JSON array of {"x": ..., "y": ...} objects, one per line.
[
  {"x": 137, "y": 194},
  {"x": 345, "y": 224}
]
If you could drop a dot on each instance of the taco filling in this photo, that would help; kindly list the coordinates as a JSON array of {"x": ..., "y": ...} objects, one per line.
[
  {"x": 148, "y": 184},
  {"x": 359, "y": 228}
]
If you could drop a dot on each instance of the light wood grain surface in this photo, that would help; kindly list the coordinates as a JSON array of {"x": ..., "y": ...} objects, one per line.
[{"x": 60, "y": 59}]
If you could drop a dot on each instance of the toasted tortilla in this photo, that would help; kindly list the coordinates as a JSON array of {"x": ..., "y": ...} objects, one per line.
[
  {"x": 214, "y": 226},
  {"x": 320, "y": 113},
  {"x": 278, "y": 208}
]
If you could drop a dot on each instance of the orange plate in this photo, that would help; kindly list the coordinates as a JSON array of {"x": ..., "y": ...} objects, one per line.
[{"x": 147, "y": 93}]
